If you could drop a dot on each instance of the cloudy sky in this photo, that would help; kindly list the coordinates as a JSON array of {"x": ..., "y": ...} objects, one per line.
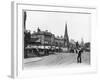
[{"x": 78, "y": 25}]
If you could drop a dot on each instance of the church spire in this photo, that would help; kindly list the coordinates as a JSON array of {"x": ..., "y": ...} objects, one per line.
[{"x": 66, "y": 38}]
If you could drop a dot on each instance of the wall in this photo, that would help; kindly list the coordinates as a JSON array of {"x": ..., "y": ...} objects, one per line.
[{"x": 5, "y": 39}]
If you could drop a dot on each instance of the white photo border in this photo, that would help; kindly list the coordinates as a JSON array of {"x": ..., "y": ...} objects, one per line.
[{"x": 17, "y": 69}]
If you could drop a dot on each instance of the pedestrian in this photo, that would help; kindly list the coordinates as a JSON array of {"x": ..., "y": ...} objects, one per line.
[{"x": 79, "y": 57}]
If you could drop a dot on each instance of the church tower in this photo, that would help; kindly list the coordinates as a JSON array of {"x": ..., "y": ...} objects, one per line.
[{"x": 66, "y": 38}]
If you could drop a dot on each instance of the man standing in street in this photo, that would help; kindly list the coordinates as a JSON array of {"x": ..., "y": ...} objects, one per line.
[{"x": 79, "y": 52}]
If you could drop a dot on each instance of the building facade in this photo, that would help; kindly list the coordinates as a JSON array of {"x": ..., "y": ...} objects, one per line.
[
  {"x": 49, "y": 39},
  {"x": 46, "y": 38}
]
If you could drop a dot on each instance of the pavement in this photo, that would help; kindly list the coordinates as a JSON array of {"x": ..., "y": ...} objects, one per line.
[
  {"x": 28, "y": 60},
  {"x": 58, "y": 59}
]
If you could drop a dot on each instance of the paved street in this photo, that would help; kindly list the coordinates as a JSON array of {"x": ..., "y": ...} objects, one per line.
[{"x": 59, "y": 59}]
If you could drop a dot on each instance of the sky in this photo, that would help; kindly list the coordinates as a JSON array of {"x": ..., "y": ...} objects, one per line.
[{"x": 78, "y": 25}]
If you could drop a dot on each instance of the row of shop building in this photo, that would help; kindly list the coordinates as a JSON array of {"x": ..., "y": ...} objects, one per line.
[{"x": 44, "y": 40}]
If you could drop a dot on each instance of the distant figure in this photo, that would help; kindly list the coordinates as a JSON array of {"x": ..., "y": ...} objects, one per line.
[{"x": 79, "y": 52}]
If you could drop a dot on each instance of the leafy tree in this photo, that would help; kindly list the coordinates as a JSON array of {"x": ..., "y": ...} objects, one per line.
[
  {"x": 27, "y": 37},
  {"x": 87, "y": 45}
]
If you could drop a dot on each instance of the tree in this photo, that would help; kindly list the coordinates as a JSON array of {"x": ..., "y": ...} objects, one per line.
[
  {"x": 27, "y": 37},
  {"x": 87, "y": 45}
]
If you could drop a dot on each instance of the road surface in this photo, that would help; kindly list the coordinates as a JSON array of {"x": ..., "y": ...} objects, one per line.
[{"x": 57, "y": 59}]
